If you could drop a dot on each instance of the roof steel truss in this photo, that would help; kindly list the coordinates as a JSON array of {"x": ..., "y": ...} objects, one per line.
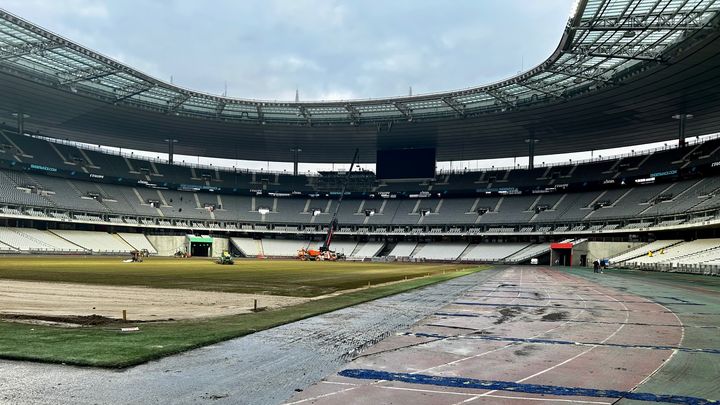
[{"x": 602, "y": 39}]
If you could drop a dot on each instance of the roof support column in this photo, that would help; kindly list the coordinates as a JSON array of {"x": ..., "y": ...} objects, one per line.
[
  {"x": 20, "y": 121},
  {"x": 531, "y": 150},
  {"x": 682, "y": 118},
  {"x": 171, "y": 149},
  {"x": 296, "y": 159}
]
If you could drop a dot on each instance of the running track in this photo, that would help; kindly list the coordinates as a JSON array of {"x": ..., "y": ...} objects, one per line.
[{"x": 527, "y": 335}]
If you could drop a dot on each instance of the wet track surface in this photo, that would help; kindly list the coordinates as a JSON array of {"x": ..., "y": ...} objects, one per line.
[
  {"x": 264, "y": 368},
  {"x": 536, "y": 335},
  {"x": 514, "y": 335}
]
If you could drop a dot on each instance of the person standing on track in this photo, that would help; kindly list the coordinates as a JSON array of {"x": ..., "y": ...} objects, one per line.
[{"x": 596, "y": 266}]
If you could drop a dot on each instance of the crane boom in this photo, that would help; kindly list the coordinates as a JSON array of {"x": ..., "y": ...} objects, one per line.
[{"x": 334, "y": 222}]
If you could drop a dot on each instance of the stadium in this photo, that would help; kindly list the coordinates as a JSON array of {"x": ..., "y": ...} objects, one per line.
[{"x": 130, "y": 278}]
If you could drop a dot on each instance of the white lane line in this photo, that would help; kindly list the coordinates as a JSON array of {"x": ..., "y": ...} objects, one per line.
[
  {"x": 627, "y": 317},
  {"x": 554, "y": 400},
  {"x": 466, "y": 358},
  {"x": 358, "y": 386},
  {"x": 466, "y": 394},
  {"x": 682, "y": 337},
  {"x": 339, "y": 383},
  {"x": 509, "y": 344},
  {"x": 489, "y": 393},
  {"x": 329, "y": 394}
]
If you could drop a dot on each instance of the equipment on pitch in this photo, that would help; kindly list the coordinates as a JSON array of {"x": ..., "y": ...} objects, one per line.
[
  {"x": 317, "y": 255},
  {"x": 136, "y": 256},
  {"x": 324, "y": 252},
  {"x": 334, "y": 221},
  {"x": 225, "y": 258}
]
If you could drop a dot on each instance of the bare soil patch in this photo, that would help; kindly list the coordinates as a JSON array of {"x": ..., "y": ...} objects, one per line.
[
  {"x": 555, "y": 316},
  {"x": 98, "y": 305},
  {"x": 508, "y": 313},
  {"x": 66, "y": 321}
]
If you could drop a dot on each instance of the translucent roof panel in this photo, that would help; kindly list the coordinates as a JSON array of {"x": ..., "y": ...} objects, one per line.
[{"x": 604, "y": 38}]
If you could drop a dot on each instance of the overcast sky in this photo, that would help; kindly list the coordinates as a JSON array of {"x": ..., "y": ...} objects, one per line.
[{"x": 328, "y": 49}]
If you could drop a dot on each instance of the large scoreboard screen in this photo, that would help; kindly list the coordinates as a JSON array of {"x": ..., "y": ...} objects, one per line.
[{"x": 405, "y": 163}]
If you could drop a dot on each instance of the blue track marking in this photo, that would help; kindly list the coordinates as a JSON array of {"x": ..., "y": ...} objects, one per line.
[
  {"x": 675, "y": 299},
  {"x": 532, "y": 291},
  {"x": 437, "y": 325},
  {"x": 486, "y": 304},
  {"x": 541, "y": 298},
  {"x": 456, "y": 314},
  {"x": 662, "y": 325},
  {"x": 459, "y": 382},
  {"x": 562, "y": 342}
]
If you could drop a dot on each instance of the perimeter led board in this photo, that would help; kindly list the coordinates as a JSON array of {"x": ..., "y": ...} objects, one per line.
[{"x": 405, "y": 164}]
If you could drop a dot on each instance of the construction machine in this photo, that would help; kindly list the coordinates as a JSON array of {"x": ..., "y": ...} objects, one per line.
[
  {"x": 225, "y": 258},
  {"x": 316, "y": 255},
  {"x": 332, "y": 227}
]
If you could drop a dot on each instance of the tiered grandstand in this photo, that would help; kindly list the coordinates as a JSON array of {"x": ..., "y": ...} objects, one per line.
[
  {"x": 461, "y": 216},
  {"x": 701, "y": 255},
  {"x": 615, "y": 200},
  {"x": 59, "y": 194},
  {"x": 29, "y": 240}
]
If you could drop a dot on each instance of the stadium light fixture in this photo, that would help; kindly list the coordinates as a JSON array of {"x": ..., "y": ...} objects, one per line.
[
  {"x": 263, "y": 210},
  {"x": 682, "y": 116}
]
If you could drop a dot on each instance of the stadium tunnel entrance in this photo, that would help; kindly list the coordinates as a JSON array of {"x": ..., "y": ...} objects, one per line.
[
  {"x": 200, "y": 246},
  {"x": 561, "y": 254}
]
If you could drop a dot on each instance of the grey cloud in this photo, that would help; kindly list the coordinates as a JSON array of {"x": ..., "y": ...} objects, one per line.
[{"x": 327, "y": 48}]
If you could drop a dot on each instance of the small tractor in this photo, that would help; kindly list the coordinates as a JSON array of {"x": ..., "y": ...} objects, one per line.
[
  {"x": 181, "y": 254},
  {"x": 225, "y": 258},
  {"x": 136, "y": 256}
]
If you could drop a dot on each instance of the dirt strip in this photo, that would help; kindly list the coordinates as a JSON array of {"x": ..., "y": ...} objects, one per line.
[
  {"x": 264, "y": 368},
  {"x": 141, "y": 303}
]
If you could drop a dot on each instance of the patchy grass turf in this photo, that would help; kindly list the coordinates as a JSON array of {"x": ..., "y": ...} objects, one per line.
[
  {"x": 276, "y": 277},
  {"x": 106, "y": 346}
]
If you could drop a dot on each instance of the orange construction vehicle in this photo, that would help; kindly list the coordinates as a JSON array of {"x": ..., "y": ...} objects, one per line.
[
  {"x": 315, "y": 255},
  {"x": 324, "y": 253},
  {"x": 309, "y": 254}
]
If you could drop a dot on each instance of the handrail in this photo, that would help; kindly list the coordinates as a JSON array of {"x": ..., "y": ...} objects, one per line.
[
  {"x": 233, "y": 169},
  {"x": 625, "y": 221},
  {"x": 86, "y": 147},
  {"x": 642, "y": 152}
]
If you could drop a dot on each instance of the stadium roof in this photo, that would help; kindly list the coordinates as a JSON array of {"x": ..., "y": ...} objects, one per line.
[{"x": 621, "y": 70}]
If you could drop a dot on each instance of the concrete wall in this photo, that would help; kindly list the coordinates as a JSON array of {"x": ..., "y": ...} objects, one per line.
[
  {"x": 600, "y": 250},
  {"x": 167, "y": 245},
  {"x": 220, "y": 244}
]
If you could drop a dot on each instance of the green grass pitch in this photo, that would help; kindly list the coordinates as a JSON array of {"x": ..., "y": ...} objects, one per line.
[
  {"x": 104, "y": 346},
  {"x": 275, "y": 277}
]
